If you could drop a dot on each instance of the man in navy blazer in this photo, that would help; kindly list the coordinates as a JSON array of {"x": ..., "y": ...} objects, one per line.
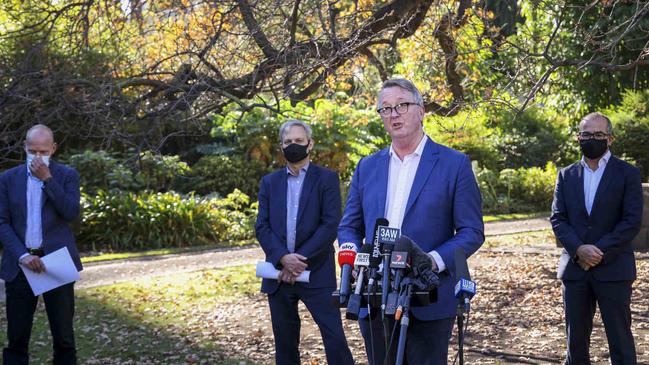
[
  {"x": 430, "y": 193},
  {"x": 596, "y": 212},
  {"x": 38, "y": 201},
  {"x": 299, "y": 211}
]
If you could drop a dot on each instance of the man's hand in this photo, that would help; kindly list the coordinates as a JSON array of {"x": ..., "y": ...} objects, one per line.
[
  {"x": 294, "y": 263},
  {"x": 583, "y": 265},
  {"x": 286, "y": 276},
  {"x": 589, "y": 255},
  {"x": 33, "y": 263},
  {"x": 39, "y": 169}
]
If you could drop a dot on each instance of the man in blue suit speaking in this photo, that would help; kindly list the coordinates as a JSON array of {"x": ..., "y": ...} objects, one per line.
[
  {"x": 299, "y": 211},
  {"x": 430, "y": 193},
  {"x": 38, "y": 201},
  {"x": 596, "y": 212}
]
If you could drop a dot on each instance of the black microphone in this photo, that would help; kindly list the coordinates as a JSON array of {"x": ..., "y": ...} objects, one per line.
[
  {"x": 465, "y": 289},
  {"x": 375, "y": 257},
  {"x": 398, "y": 263},
  {"x": 388, "y": 237},
  {"x": 422, "y": 266},
  {"x": 361, "y": 263}
]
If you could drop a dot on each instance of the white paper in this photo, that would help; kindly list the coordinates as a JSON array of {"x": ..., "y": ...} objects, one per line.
[
  {"x": 59, "y": 270},
  {"x": 266, "y": 270}
]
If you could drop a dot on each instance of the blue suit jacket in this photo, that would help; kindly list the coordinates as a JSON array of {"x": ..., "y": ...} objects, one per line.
[
  {"x": 614, "y": 220},
  {"x": 317, "y": 220},
  {"x": 443, "y": 212},
  {"x": 61, "y": 205}
]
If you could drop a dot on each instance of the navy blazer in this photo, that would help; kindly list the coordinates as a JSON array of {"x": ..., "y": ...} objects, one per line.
[
  {"x": 443, "y": 212},
  {"x": 61, "y": 206},
  {"x": 317, "y": 220},
  {"x": 614, "y": 220}
]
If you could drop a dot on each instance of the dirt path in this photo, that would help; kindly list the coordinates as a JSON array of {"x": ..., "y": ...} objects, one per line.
[{"x": 110, "y": 272}]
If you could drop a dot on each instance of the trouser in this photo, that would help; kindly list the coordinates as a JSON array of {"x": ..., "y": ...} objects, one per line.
[{"x": 20, "y": 307}]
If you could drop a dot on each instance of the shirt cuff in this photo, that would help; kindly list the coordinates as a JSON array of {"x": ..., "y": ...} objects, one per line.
[
  {"x": 441, "y": 266},
  {"x": 23, "y": 256}
]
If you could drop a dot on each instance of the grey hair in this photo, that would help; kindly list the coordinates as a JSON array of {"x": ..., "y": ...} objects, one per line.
[
  {"x": 593, "y": 115},
  {"x": 39, "y": 127},
  {"x": 292, "y": 122},
  {"x": 405, "y": 85}
]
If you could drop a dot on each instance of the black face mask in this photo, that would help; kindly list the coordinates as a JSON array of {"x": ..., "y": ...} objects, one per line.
[
  {"x": 593, "y": 148},
  {"x": 295, "y": 152}
]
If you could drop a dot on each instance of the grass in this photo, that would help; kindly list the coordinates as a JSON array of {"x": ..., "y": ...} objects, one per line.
[
  {"x": 163, "y": 320},
  {"x": 108, "y": 256},
  {"x": 512, "y": 216}
]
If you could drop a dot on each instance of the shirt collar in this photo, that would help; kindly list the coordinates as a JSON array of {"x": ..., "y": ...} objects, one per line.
[
  {"x": 418, "y": 151},
  {"x": 602, "y": 161},
  {"x": 304, "y": 168}
]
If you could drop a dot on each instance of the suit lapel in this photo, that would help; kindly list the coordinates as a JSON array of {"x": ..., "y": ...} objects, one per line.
[
  {"x": 309, "y": 182},
  {"x": 580, "y": 189},
  {"x": 382, "y": 172},
  {"x": 426, "y": 165},
  {"x": 282, "y": 187},
  {"x": 21, "y": 188}
]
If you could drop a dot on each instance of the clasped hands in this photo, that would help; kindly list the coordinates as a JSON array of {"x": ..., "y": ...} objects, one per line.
[
  {"x": 589, "y": 256},
  {"x": 293, "y": 265}
]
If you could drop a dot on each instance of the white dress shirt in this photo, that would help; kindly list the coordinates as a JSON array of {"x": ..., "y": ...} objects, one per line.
[
  {"x": 400, "y": 178},
  {"x": 592, "y": 179}
]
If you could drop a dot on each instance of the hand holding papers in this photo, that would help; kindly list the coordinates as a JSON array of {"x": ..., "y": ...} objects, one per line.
[
  {"x": 266, "y": 270},
  {"x": 59, "y": 270}
]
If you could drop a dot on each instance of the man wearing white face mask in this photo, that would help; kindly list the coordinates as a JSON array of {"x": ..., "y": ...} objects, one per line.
[{"x": 38, "y": 201}]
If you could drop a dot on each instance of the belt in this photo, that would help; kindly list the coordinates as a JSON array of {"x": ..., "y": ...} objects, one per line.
[{"x": 36, "y": 251}]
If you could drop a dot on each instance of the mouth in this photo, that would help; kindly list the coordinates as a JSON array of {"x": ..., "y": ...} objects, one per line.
[{"x": 397, "y": 125}]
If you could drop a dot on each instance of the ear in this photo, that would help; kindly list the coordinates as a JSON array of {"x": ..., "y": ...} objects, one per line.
[
  {"x": 311, "y": 144},
  {"x": 54, "y": 146}
]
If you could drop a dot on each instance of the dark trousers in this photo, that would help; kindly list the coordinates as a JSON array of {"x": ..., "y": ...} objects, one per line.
[
  {"x": 426, "y": 341},
  {"x": 614, "y": 299},
  {"x": 286, "y": 323},
  {"x": 21, "y": 305}
]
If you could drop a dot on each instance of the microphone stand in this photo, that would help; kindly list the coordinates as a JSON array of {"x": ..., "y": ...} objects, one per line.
[
  {"x": 405, "y": 321},
  {"x": 462, "y": 308}
]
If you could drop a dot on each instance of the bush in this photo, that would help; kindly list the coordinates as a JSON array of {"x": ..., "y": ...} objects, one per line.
[
  {"x": 124, "y": 221},
  {"x": 223, "y": 174},
  {"x": 631, "y": 129},
  {"x": 516, "y": 191},
  {"x": 159, "y": 172},
  {"x": 100, "y": 170}
]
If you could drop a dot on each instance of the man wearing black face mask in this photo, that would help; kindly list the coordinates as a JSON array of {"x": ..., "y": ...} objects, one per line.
[
  {"x": 299, "y": 212},
  {"x": 596, "y": 212}
]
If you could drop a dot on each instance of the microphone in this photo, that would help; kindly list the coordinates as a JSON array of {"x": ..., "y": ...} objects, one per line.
[
  {"x": 387, "y": 236},
  {"x": 346, "y": 257},
  {"x": 465, "y": 289},
  {"x": 361, "y": 263},
  {"x": 398, "y": 263},
  {"x": 422, "y": 266},
  {"x": 375, "y": 257}
]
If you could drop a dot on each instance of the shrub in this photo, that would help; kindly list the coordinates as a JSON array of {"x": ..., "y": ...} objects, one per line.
[
  {"x": 123, "y": 221},
  {"x": 100, "y": 170},
  {"x": 222, "y": 175},
  {"x": 631, "y": 129},
  {"x": 516, "y": 191}
]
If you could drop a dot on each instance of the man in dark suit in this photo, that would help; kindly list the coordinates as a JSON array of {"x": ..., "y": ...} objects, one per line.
[
  {"x": 430, "y": 193},
  {"x": 596, "y": 212},
  {"x": 38, "y": 200},
  {"x": 299, "y": 211}
]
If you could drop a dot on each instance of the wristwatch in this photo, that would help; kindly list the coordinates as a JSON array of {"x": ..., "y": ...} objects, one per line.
[{"x": 47, "y": 181}]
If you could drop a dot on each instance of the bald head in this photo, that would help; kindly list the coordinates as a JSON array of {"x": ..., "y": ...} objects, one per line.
[
  {"x": 598, "y": 119},
  {"x": 40, "y": 141}
]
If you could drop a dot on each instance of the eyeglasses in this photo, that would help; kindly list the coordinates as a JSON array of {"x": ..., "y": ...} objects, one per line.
[
  {"x": 596, "y": 135},
  {"x": 401, "y": 108}
]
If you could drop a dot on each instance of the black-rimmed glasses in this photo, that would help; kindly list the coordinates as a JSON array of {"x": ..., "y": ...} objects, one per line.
[
  {"x": 590, "y": 135},
  {"x": 401, "y": 108}
]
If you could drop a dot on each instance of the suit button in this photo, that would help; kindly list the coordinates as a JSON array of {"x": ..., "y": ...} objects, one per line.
[{"x": 590, "y": 227}]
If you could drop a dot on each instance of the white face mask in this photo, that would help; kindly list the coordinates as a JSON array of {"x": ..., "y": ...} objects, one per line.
[{"x": 31, "y": 157}]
